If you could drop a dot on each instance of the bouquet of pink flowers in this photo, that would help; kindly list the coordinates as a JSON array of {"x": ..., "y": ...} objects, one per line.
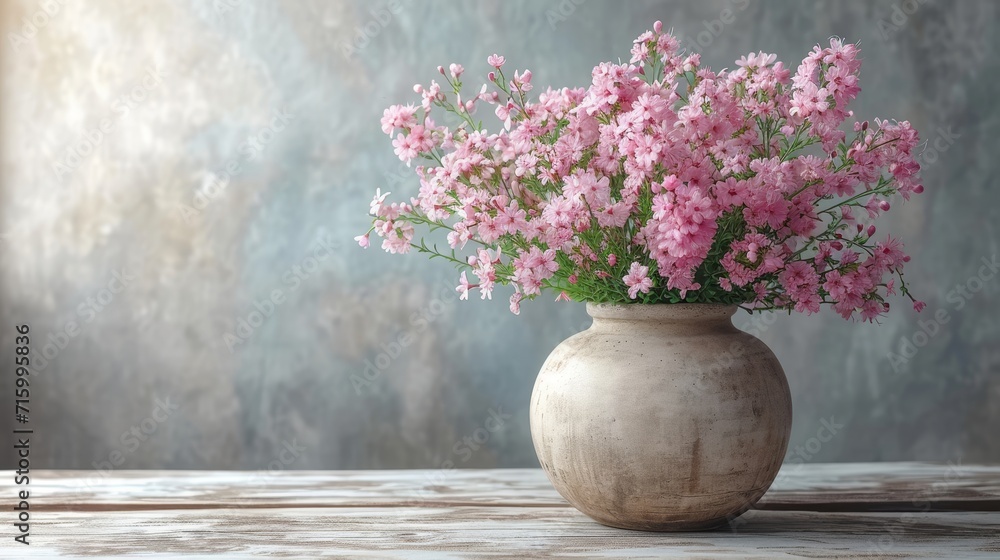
[{"x": 661, "y": 182}]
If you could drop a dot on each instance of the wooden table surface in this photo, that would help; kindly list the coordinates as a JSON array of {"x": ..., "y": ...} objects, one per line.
[{"x": 862, "y": 510}]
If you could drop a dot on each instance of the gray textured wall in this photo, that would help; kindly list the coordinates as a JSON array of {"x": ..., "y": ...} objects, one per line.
[{"x": 180, "y": 86}]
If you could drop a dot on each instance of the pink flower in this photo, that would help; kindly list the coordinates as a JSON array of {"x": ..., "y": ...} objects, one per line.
[
  {"x": 483, "y": 267},
  {"x": 533, "y": 267},
  {"x": 464, "y": 286},
  {"x": 838, "y": 286},
  {"x": 808, "y": 101},
  {"x": 730, "y": 193},
  {"x": 640, "y": 51},
  {"x": 375, "y": 208},
  {"x": 801, "y": 284},
  {"x": 398, "y": 116},
  {"x": 526, "y": 164},
  {"x": 637, "y": 280},
  {"x": 459, "y": 236},
  {"x": 750, "y": 258},
  {"x": 396, "y": 237},
  {"x": 362, "y": 240},
  {"x": 512, "y": 219},
  {"x": 521, "y": 82},
  {"x": 489, "y": 229},
  {"x": 614, "y": 215},
  {"x": 515, "y": 303},
  {"x": 409, "y": 146},
  {"x": 758, "y": 60},
  {"x": 890, "y": 287},
  {"x": 919, "y": 306},
  {"x": 748, "y": 171}
]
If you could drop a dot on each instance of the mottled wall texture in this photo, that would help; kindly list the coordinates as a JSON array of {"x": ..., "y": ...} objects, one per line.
[{"x": 167, "y": 164}]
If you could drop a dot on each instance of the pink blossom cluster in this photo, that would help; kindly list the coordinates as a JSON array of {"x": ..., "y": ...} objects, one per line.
[{"x": 662, "y": 181}]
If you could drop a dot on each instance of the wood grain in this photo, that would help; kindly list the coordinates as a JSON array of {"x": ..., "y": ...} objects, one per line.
[
  {"x": 495, "y": 514},
  {"x": 823, "y": 487},
  {"x": 500, "y": 532}
]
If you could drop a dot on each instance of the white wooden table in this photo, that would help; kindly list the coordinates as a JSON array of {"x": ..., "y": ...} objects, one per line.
[{"x": 884, "y": 510}]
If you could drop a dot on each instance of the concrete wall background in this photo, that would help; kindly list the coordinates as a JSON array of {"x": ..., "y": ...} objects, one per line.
[{"x": 199, "y": 78}]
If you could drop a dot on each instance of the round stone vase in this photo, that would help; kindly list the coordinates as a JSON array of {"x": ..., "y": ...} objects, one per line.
[{"x": 661, "y": 417}]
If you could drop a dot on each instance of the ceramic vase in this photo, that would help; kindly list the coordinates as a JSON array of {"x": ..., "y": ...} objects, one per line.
[{"x": 661, "y": 417}]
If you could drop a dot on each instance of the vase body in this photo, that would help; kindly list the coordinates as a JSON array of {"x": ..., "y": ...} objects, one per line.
[{"x": 661, "y": 417}]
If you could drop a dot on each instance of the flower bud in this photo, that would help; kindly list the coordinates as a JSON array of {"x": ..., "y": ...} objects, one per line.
[{"x": 658, "y": 27}]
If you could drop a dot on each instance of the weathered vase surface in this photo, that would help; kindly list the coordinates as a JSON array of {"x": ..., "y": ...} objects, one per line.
[{"x": 661, "y": 417}]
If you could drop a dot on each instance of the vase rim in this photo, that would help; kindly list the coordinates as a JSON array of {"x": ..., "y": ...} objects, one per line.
[{"x": 662, "y": 311}]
